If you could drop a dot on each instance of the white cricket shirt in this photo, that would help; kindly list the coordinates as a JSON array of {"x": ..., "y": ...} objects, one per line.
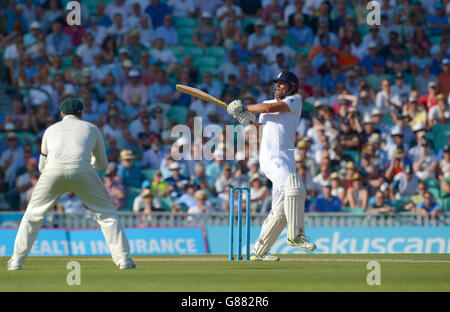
[
  {"x": 279, "y": 129},
  {"x": 69, "y": 143}
]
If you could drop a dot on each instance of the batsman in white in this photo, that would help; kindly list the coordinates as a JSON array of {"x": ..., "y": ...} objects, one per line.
[
  {"x": 65, "y": 165},
  {"x": 279, "y": 118}
]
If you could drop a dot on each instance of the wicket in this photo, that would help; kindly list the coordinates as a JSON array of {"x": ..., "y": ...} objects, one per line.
[{"x": 247, "y": 223}]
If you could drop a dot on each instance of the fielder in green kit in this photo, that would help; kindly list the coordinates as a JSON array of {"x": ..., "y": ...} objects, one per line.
[{"x": 65, "y": 165}]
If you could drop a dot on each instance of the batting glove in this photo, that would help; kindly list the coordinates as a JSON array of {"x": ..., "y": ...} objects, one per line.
[
  {"x": 246, "y": 118},
  {"x": 234, "y": 108}
]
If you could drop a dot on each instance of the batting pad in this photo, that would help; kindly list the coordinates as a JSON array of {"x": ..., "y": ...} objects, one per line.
[
  {"x": 294, "y": 205},
  {"x": 270, "y": 231}
]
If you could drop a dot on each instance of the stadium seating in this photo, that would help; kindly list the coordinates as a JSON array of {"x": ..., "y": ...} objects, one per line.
[
  {"x": 205, "y": 61},
  {"x": 148, "y": 173},
  {"x": 353, "y": 154},
  {"x": 132, "y": 193},
  {"x": 439, "y": 135},
  {"x": 183, "y": 22},
  {"x": 192, "y": 51},
  {"x": 178, "y": 114},
  {"x": 166, "y": 203}
]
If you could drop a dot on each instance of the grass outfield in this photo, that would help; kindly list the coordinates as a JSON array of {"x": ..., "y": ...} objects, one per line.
[{"x": 294, "y": 273}]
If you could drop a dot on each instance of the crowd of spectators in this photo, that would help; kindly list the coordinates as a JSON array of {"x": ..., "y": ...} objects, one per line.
[{"x": 374, "y": 132}]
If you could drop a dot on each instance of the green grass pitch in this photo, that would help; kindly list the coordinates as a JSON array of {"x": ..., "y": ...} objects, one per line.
[{"x": 294, "y": 273}]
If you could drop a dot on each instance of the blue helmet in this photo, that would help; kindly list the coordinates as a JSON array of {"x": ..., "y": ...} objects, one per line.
[{"x": 289, "y": 78}]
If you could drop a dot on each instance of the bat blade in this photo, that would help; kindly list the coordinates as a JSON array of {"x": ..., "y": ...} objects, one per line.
[{"x": 201, "y": 95}]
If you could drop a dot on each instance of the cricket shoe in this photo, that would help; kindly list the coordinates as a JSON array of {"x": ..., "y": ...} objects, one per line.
[
  {"x": 266, "y": 257},
  {"x": 14, "y": 265},
  {"x": 302, "y": 242},
  {"x": 128, "y": 264}
]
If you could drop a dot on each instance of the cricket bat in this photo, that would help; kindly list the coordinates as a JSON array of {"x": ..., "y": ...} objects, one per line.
[{"x": 201, "y": 95}]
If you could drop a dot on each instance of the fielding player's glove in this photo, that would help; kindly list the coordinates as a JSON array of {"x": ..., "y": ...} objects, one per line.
[
  {"x": 246, "y": 118},
  {"x": 234, "y": 108}
]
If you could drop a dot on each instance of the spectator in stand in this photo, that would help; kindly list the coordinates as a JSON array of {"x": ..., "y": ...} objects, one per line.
[
  {"x": 400, "y": 90},
  {"x": 269, "y": 10},
  {"x": 130, "y": 175},
  {"x": 416, "y": 112},
  {"x": 424, "y": 78},
  {"x": 57, "y": 42},
  {"x": 324, "y": 36},
  {"x": 132, "y": 20},
  {"x": 437, "y": 23},
  {"x": 259, "y": 67},
  {"x": 444, "y": 162},
  {"x": 160, "y": 91},
  {"x": 69, "y": 203},
  {"x": 430, "y": 99},
  {"x": 229, "y": 67},
  {"x": 164, "y": 56},
  {"x": 118, "y": 30},
  {"x": 146, "y": 68},
  {"x": 348, "y": 138},
  {"x": 231, "y": 33},
  {"x": 225, "y": 178},
  {"x": 109, "y": 49},
  {"x": 176, "y": 181},
  {"x": 115, "y": 189},
  {"x": 326, "y": 202},
  {"x": 444, "y": 77},
  {"x": 135, "y": 47},
  {"x": 258, "y": 41},
  {"x": 380, "y": 205},
  {"x": 157, "y": 11},
  {"x": 405, "y": 183},
  {"x": 144, "y": 204},
  {"x": 87, "y": 50},
  {"x": 154, "y": 156},
  {"x": 203, "y": 206},
  {"x": 396, "y": 164},
  {"x": 259, "y": 195},
  {"x": 158, "y": 186},
  {"x": 206, "y": 34},
  {"x": 134, "y": 87},
  {"x": 182, "y": 8},
  {"x": 96, "y": 30},
  {"x": 426, "y": 164},
  {"x": 357, "y": 194},
  {"x": 103, "y": 19},
  {"x": 209, "y": 85},
  {"x": 440, "y": 113},
  {"x": 23, "y": 182},
  {"x": 429, "y": 208},
  {"x": 228, "y": 10},
  {"x": 76, "y": 33},
  {"x": 146, "y": 31},
  {"x": 167, "y": 32},
  {"x": 118, "y": 7}
]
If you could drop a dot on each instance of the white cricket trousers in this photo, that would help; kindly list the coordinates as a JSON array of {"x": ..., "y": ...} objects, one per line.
[
  {"x": 276, "y": 170},
  {"x": 88, "y": 186}
]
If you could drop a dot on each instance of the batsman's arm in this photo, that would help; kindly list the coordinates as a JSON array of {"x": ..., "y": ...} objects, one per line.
[{"x": 278, "y": 107}]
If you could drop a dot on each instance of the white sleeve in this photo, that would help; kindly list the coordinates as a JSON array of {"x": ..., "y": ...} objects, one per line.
[{"x": 294, "y": 103}]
